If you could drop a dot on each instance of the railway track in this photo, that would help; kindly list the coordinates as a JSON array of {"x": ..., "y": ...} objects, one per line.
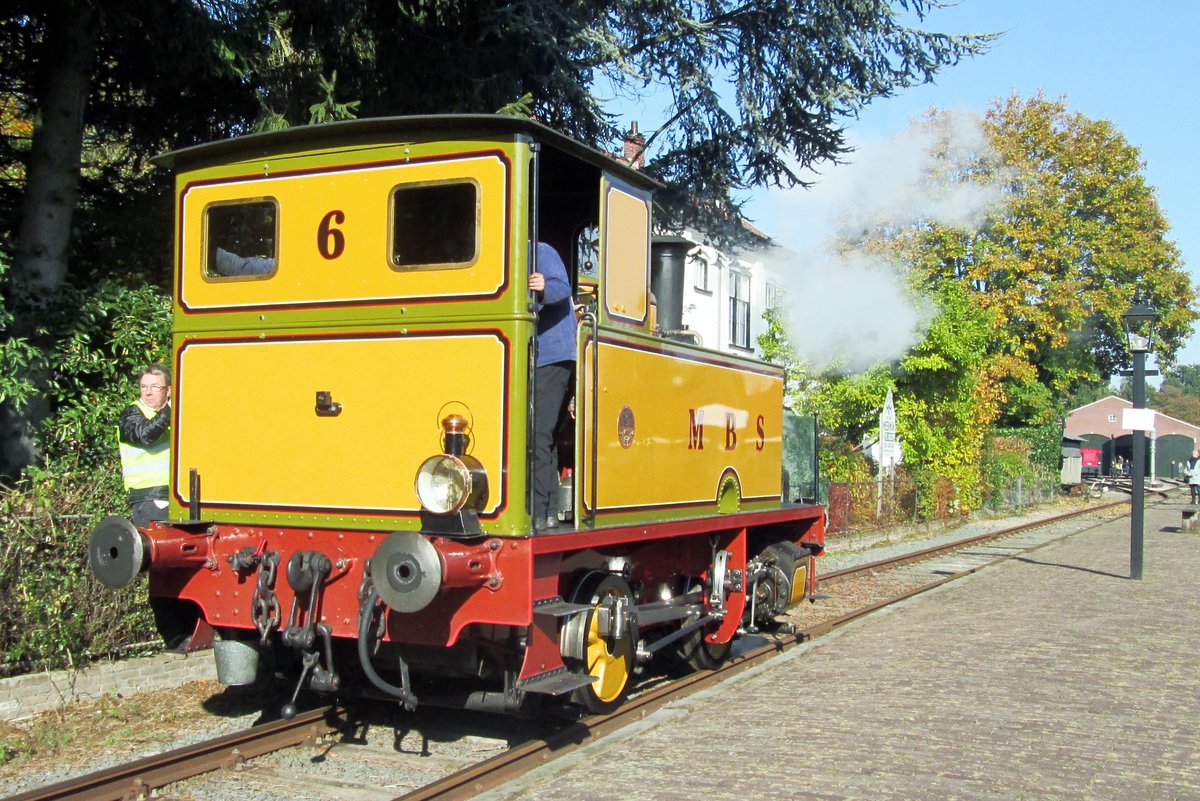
[
  {"x": 1033, "y": 532},
  {"x": 848, "y": 594},
  {"x": 347, "y": 758}
]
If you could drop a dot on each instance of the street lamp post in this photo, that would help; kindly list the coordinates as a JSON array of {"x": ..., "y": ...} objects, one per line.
[{"x": 1139, "y": 329}]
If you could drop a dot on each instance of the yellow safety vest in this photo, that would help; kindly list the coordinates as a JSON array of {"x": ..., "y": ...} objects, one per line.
[{"x": 149, "y": 465}]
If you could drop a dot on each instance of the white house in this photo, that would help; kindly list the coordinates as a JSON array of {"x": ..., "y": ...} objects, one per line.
[{"x": 726, "y": 294}]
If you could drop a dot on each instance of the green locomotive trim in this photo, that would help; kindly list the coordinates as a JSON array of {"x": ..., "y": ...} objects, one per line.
[
  {"x": 504, "y": 429},
  {"x": 641, "y": 341}
]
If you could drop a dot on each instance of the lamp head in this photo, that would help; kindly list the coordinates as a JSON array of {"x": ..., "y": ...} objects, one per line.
[{"x": 1139, "y": 326}]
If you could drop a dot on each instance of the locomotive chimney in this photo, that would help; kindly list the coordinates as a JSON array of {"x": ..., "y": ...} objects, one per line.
[{"x": 668, "y": 259}]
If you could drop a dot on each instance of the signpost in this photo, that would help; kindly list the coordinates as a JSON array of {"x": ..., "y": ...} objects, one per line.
[
  {"x": 887, "y": 433},
  {"x": 1139, "y": 329},
  {"x": 887, "y": 447},
  {"x": 1139, "y": 420}
]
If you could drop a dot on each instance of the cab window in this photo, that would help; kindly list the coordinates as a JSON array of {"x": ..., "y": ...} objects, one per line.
[
  {"x": 435, "y": 225},
  {"x": 587, "y": 250},
  {"x": 241, "y": 239}
]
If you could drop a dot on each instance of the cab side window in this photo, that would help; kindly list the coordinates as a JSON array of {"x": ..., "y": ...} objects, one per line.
[
  {"x": 241, "y": 239},
  {"x": 587, "y": 251},
  {"x": 435, "y": 225}
]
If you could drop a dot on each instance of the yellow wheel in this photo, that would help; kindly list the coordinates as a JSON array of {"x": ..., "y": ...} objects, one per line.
[{"x": 603, "y": 643}]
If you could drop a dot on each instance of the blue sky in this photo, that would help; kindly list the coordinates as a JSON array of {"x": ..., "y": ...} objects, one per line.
[{"x": 1133, "y": 64}]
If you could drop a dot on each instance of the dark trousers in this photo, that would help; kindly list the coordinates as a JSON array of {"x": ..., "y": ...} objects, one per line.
[
  {"x": 142, "y": 506},
  {"x": 552, "y": 381},
  {"x": 1195, "y": 488}
]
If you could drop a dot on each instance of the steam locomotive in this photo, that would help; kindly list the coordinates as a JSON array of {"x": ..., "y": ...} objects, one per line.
[{"x": 351, "y": 454}]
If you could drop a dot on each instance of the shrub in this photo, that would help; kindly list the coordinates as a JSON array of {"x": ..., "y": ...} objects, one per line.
[
  {"x": 85, "y": 356},
  {"x": 1008, "y": 460}
]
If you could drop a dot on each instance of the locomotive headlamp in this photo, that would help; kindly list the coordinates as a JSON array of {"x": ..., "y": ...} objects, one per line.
[
  {"x": 443, "y": 484},
  {"x": 452, "y": 480}
]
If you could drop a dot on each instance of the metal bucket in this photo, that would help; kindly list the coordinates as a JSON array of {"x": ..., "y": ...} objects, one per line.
[{"x": 237, "y": 662}]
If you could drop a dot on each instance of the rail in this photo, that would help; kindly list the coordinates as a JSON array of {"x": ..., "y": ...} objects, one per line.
[{"x": 138, "y": 779}]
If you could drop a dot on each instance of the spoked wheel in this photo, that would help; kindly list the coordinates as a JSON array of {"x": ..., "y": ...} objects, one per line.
[
  {"x": 701, "y": 654},
  {"x": 696, "y": 650},
  {"x": 602, "y": 641}
]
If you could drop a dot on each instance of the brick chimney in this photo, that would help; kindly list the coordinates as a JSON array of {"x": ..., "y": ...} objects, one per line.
[{"x": 635, "y": 148}]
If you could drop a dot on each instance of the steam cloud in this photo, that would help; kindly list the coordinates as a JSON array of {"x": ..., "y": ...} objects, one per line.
[{"x": 852, "y": 309}]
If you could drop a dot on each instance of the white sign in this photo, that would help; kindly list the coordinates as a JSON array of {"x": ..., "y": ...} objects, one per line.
[
  {"x": 887, "y": 432},
  {"x": 1137, "y": 419}
]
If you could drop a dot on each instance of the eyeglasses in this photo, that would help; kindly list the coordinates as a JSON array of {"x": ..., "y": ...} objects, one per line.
[{"x": 155, "y": 387}]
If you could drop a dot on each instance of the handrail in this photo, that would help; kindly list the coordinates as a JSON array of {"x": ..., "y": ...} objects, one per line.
[{"x": 592, "y": 408}]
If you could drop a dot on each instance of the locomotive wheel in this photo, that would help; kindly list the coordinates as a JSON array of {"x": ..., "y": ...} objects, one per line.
[
  {"x": 696, "y": 651},
  {"x": 608, "y": 660},
  {"x": 703, "y": 655}
]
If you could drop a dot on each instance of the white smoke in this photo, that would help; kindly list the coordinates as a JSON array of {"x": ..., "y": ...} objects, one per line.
[
  {"x": 852, "y": 312},
  {"x": 850, "y": 308}
]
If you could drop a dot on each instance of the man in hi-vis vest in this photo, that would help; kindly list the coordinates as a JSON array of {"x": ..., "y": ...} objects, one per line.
[{"x": 143, "y": 433}]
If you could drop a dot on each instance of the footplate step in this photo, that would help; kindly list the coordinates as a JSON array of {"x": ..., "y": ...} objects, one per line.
[{"x": 555, "y": 682}]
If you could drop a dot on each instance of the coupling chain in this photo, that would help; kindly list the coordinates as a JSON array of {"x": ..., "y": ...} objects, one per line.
[
  {"x": 265, "y": 607},
  {"x": 368, "y": 603}
]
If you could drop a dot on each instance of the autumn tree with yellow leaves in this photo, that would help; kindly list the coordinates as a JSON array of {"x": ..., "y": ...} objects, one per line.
[
  {"x": 1079, "y": 236},
  {"x": 1029, "y": 298}
]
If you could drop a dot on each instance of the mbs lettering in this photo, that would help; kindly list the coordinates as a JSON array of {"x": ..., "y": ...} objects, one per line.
[{"x": 696, "y": 431}]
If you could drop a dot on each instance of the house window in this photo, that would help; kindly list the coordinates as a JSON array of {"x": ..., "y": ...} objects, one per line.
[
  {"x": 739, "y": 310},
  {"x": 701, "y": 273},
  {"x": 774, "y": 296}
]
